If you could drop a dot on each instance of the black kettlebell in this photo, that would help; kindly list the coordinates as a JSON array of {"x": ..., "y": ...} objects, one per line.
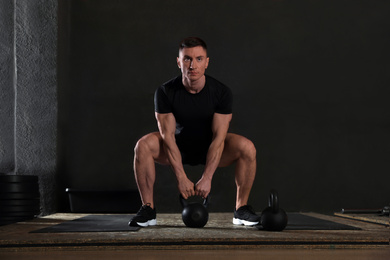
[
  {"x": 194, "y": 214},
  {"x": 273, "y": 218}
]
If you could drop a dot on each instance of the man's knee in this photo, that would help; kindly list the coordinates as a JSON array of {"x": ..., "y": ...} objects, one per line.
[
  {"x": 144, "y": 145},
  {"x": 248, "y": 149},
  {"x": 140, "y": 146},
  {"x": 238, "y": 147},
  {"x": 151, "y": 145}
]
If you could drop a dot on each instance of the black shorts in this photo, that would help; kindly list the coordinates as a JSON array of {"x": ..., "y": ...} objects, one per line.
[
  {"x": 194, "y": 154},
  {"x": 194, "y": 159}
]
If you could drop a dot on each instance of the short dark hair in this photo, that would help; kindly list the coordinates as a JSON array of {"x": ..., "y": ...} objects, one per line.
[{"x": 190, "y": 42}]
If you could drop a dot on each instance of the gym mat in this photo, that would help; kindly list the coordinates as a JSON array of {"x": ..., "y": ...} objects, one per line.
[
  {"x": 119, "y": 223},
  {"x": 297, "y": 221},
  {"x": 92, "y": 223}
]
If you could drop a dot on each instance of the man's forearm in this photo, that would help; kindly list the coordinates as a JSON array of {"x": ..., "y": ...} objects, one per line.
[
  {"x": 213, "y": 158},
  {"x": 185, "y": 186},
  {"x": 174, "y": 158}
]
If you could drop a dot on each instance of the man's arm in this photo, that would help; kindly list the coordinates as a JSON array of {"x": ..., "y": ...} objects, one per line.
[
  {"x": 167, "y": 127},
  {"x": 220, "y": 128}
]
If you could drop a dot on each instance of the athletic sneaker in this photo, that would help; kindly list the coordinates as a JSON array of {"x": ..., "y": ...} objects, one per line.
[
  {"x": 245, "y": 215},
  {"x": 146, "y": 216}
]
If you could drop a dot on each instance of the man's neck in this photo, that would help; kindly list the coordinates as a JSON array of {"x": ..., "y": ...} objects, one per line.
[{"x": 194, "y": 86}]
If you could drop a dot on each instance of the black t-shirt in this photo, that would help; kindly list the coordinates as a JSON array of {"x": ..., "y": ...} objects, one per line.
[{"x": 193, "y": 112}]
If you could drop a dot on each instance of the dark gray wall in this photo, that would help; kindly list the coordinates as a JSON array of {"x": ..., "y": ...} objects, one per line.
[
  {"x": 7, "y": 96},
  {"x": 28, "y": 101},
  {"x": 310, "y": 81}
]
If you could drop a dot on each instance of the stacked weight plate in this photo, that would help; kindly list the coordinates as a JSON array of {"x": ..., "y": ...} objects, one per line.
[{"x": 19, "y": 198}]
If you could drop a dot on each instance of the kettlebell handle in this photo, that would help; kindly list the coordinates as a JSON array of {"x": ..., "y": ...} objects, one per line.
[
  {"x": 273, "y": 201},
  {"x": 184, "y": 202}
]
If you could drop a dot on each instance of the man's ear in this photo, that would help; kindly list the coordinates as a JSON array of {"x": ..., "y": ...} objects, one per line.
[{"x": 178, "y": 63}]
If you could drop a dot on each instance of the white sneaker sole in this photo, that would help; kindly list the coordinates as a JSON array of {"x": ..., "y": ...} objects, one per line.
[
  {"x": 237, "y": 221},
  {"x": 151, "y": 222}
]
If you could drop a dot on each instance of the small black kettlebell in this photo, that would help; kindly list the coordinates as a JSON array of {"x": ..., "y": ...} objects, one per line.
[
  {"x": 194, "y": 214},
  {"x": 273, "y": 218}
]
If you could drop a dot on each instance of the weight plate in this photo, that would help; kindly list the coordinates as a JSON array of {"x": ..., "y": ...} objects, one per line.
[
  {"x": 19, "y": 187},
  {"x": 18, "y": 178},
  {"x": 19, "y": 214},
  {"x": 33, "y": 202},
  {"x": 19, "y": 195},
  {"x": 18, "y": 208}
]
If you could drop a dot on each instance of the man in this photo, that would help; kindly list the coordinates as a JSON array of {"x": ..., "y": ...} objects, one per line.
[{"x": 193, "y": 113}]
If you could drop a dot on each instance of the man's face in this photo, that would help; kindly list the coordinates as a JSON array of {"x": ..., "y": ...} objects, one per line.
[{"x": 193, "y": 62}]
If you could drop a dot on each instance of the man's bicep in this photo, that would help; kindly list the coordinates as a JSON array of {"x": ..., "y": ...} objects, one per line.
[{"x": 221, "y": 123}]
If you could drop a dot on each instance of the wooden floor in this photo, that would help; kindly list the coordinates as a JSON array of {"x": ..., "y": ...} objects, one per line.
[
  {"x": 233, "y": 254},
  {"x": 219, "y": 238}
]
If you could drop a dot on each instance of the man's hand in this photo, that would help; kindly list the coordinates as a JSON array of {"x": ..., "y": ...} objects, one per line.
[
  {"x": 203, "y": 187},
  {"x": 186, "y": 188}
]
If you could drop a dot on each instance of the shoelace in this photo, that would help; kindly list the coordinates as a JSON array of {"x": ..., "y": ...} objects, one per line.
[
  {"x": 146, "y": 205},
  {"x": 142, "y": 210},
  {"x": 249, "y": 209}
]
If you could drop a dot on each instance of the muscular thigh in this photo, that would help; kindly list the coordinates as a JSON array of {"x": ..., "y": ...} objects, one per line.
[
  {"x": 155, "y": 144},
  {"x": 236, "y": 146}
]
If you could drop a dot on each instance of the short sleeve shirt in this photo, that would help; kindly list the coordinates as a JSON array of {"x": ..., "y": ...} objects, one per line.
[{"x": 193, "y": 112}]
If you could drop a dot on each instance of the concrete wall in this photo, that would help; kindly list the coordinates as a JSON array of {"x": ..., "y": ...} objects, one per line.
[
  {"x": 29, "y": 93},
  {"x": 7, "y": 96}
]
